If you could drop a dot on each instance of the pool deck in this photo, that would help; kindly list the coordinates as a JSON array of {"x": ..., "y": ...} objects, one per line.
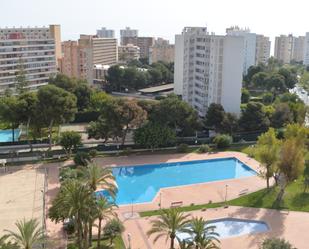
[
  {"x": 191, "y": 194},
  {"x": 292, "y": 226}
]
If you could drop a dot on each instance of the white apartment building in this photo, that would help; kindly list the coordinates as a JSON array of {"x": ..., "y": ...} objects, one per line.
[
  {"x": 127, "y": 32},
  {"x": 262, "y": 52},
  {"x": 249, "y": 45},
  {"x": 208, "y": 69},
  {"x": 306, "y": 50},
  {"x": 105, "y": 33},
  {"x": 35, "y": 50}
]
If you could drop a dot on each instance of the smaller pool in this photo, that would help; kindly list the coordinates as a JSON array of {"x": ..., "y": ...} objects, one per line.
[
  {"x": 230, "y": 227},
  {"x": 7, "y": 136}
]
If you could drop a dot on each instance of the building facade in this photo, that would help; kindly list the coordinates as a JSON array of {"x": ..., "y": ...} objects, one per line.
[
  {"x": 105, "y": 33},
  {"x": 70, "y": 59},
  {"x": 306, "y": 50},
  {"x": 249, "y": 45},
  {"x": 208, "y": 69},
  {"x": 127, "y": 32},
  {"x": 162, "y": 50},
  {"x": 262, "y": 52},
  {"x": 128, "y": 53},
  {"x": 284, "y": 46},
  {"x": 35, "y": 50},
  {"x": 298, "y": 49},
  {"x": 144, "y": 43}
]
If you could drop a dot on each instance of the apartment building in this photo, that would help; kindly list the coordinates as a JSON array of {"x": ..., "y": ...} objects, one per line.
[
  {"x": 262, "y": 51},
  {"x": 298, "y": 49},
  {"x": 70, "y": 59},
  {"x": 128, "y": 53},
  {"x": 162, "y": 50},
  {"x": 95, "y": 51},
  {"x": 35, "y": 50},
  {"x": 306, "y": 50},
  {"x": 105, "y": 33},
  {"x": 144, "y": 43},
  {"x": 127, "y": 32},
  {"x": 208, "y": 69}
]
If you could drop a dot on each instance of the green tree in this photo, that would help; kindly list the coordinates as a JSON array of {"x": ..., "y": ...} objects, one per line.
[
  {"x": 155, "y": 76},
  {"x": 259, "y": 80},
  {"x": 29, "y": 235},
  {"x": 245, "y": 95},
  {"x": 115, "y": 76},
  {"x": 82, "y": 158},
  {"x": 112, "y": 229},
  {"x": 56, "y": 105},
  {"x": 21, "y": 82},
  {"x": 69, "y": 140},
  {"x": 153, "y": 135},
  {"x": 282, "y": 115},
  {"x": 74, "y": 201},
  {"x": 223, "y": 141},
  {"x": 276, "y": 243},
  {"x": 83, "y": 94},
  {"x": 229, "y": 123},
  {"x": 167, "y": 224},
  {"x": 253, "y": 117},
  {"x": 289, "y": 76},
  {"x": 203, "y": 234},
  {"x": 104, "y": 211},
  {"x": 276, "y": 83},
  {"x": 267, "y": 152},
  {"x": 214, "y": 116},
  {"x": 252, "y": 71}
]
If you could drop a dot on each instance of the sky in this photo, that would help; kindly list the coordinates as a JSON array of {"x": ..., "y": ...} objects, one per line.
[{"x": 159, "y": 18}]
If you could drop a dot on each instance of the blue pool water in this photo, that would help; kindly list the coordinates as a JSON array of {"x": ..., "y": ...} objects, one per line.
[
  {"x": 229, "y": 227},
  {"x": 139, "y": 184},
  {"x": 7, "y": 136}
]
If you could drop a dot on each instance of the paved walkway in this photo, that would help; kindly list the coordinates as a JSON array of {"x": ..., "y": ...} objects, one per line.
[{"x": 293, "y": 226}]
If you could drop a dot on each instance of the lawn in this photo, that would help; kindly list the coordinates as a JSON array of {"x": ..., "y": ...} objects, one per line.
[
  {"x": 105, "y": 244},
  {"x": 295, "y": 199}
]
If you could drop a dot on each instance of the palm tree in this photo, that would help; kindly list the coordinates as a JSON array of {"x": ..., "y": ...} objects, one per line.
[
  {"x": 104, "y": 211},
  {"x": 184, "y": 244},
  {"x": 103, "y": 178},
  {"x": 4, "y": 244},
  {"x": 203, "y": 235},
  {"x": 74, "y": 201},
  {"x": 29, "y": 234},
  {"x": 96, "y": 176},
  {"x": 167, "y": 224}
]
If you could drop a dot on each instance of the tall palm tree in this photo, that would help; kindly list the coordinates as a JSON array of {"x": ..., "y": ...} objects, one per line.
[
  {"x": 203, "y": 234},
  {"x": 5, "y": 244},
  {"x": 29, "y": 234},
  {"x": 74, "y": 201},
  {"x": 184, "y": 244},
  {"x": 103, "y": 178},
  {"x": 104, "y": 211},
  {"x": 167, "y": 224}
]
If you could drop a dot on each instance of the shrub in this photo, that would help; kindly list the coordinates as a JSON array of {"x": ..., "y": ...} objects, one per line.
[
  {"x": 93, "y": 153},
  {"x": 182, "y": 148},
  {"x": 204, "y": 148},
  {"x": 222, "y": 141},
  {"x": 275, "y": 243},
  {"x": 69, "y": 227},
  {"x": 82, "y": 158},
  {"x": 112, "y": 229},
  {"x": 69, "y": 141},
  {"x": 127, "y": 151}
]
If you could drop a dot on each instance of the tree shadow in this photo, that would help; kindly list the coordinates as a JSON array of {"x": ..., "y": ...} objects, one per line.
[{"x": 301, "y": 200}]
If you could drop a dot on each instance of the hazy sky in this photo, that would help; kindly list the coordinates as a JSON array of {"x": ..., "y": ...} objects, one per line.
[{"x": 160, "y": 18}]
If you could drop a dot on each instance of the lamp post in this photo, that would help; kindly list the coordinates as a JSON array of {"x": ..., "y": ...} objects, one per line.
[
  {"x": 129, "y": 240},
  {"x": 226, "y": 186}
]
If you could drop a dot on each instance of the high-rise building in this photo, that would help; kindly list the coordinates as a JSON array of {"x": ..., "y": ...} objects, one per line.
[
  {"x": 128, "y": 53},
  {"x": 162, "y": 50},
  {"x": 283, "y": 48},
  {"x": 306, "y": 50},
  {"x": 96, "y": 51},
  {"x": 144, "y": 43},
  {"x": 262, "y": 52},
  {"x": 105, "y": 33},
  {"x": 80, "y": 58},
  {"x": 249, "y": 45},
  {"x": 127, "y": 32},
  {"x": 35, "y": 50},
  {"x": 70, "y": 60},
  {"x": 208, "y": 69},
  {"x": 298, "y": 49}
]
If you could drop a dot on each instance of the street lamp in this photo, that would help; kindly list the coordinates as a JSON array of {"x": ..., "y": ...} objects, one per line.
[
  {"x": 226, "y": 186},
  {"x": 129, "y": 240}
]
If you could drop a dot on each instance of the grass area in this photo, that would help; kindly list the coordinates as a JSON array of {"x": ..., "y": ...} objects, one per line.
[
  {"x": 295, "y": 199},
  {"x": 105, "y": 244}
]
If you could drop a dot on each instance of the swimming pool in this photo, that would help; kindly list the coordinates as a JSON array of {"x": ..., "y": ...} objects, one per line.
[
  {"x": 7, "y": 136},
  {"x": 139, "y": 184},
  {"x": 230, "y": 227}
]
